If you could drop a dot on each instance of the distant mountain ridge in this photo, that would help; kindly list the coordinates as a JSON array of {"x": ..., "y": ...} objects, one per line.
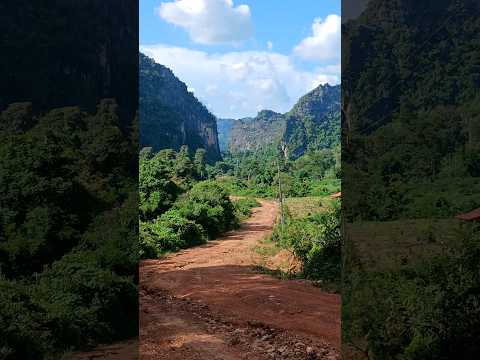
[
  {"x": 314, "y": 122},
  {"x": 251, "y": 133},
  {"x": 170, "y": 115}
]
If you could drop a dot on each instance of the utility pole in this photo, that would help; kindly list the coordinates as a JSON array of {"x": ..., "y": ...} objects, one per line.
[{"x": 280, "y": 196}]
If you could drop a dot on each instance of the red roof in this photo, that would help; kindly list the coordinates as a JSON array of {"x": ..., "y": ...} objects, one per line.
[
  {"x": 470, "y": 216},
  {"x": 336, "y": 195}
]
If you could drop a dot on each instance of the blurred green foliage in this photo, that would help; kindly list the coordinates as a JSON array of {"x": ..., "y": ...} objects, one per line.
[{"x": 68, "y": 230}]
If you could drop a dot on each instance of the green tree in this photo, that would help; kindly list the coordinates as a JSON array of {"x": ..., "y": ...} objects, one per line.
[
  {"x": 183, "y": 164},
  {"x": 200, "y": 163}
]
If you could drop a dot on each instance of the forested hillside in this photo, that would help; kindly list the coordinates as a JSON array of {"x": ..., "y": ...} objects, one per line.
[
  {"x": 66, "y": 179},
  {"x": 410, "y": 158},
  {"x": 312, "y": 124},
  {"x": 68, "y": 176},
  {"x": 171, "y": 116}
]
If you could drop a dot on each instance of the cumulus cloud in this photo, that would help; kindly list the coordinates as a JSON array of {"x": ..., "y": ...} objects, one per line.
[
  {"x": 209, "y": 21},
  {"x": 324, "y": 43},
  {"x": 239, "y": 84}
]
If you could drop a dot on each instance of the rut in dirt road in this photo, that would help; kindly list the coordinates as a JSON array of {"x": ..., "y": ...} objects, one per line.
[{"x": 209, "y": 302}]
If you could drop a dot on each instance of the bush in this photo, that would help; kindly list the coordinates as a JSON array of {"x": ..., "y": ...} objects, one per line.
[
  {"x": 83, "y": 301},
  {"x": 188, "y": 232},
  {"x": 204, "y": 211},
  {"x": 316, "y": 241},
  {"x": 170, "y": 232},
  {"x": 74, "y": 304},
  {"x": 243, "y": 207},
  {"x": 208, "y": 204}
]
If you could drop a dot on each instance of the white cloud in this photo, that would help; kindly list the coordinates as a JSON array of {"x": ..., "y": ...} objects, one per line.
[
  {"x": 209, "y": 21},
  {"x": 269, "y": 45},
  {"x": 239, "y": 84},
  {"x": 324, "y": 43}
]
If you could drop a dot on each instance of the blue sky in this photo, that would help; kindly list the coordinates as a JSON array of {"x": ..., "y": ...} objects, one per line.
[{"x": 241, "y": 56}]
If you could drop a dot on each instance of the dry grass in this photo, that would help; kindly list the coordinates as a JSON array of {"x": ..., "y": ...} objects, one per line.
[
  {"x": 275, "y": 260},
  {"x": 304, "y": 206}
]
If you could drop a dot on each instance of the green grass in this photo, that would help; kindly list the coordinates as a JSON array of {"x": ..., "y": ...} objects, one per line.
[
  {"x": 301, "y": 207},
  {"x": 243, "y": 207},
  {"x": 391, "y": 244},
  {"x": 325, "y": 187}
]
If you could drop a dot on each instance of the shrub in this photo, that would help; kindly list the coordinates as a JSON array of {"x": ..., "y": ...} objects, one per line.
[
  {"x": 243, "y": 207},
  {"x": 83, "y": 301},
  {"x": 170, "y": 232},
  {"x": 208, "y": 204},
  {"x": 187, "y": 232},
  {"x": 316, "y": 241}
]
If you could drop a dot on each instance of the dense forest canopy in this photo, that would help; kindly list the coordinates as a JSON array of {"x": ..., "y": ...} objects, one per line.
[{"x": 66, "y": 182}]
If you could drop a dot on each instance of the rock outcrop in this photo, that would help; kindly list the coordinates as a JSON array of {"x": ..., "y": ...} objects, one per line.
[
  {"x": 170, "y": 115},
  {"x": 313, "y": 123}
]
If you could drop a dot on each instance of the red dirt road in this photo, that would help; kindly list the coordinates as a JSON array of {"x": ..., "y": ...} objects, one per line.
[{"x": 209, "y": 303}]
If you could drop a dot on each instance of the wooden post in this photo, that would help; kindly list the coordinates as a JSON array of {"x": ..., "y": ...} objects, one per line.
[{"x": 280, "y": 196}]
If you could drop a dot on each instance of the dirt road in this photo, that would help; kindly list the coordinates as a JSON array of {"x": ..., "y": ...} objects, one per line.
[{"x": 209, "y": 303}]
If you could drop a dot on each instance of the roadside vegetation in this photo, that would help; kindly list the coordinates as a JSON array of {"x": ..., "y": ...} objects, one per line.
[
  {"x": 256, "y": 173},
  {"x": 179, "y": 206},
  {"x": 314, "y": 238},
  {"x": 311, "y": 228},
  {"x": 185, "y": 202}
]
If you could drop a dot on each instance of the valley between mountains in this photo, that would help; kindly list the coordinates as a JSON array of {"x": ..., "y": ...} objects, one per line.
[{"x": 239, "y": 235}]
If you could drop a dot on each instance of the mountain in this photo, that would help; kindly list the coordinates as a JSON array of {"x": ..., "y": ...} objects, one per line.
[
  {"x": 52, "y": 65},
  {"x": 170, "y": 115},
  {"x": 314, "y": 122},
  {"x": 251, "y": 133}
]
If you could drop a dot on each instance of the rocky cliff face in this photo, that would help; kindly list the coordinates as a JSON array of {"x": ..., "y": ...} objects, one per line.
[
  {"x": 314, "y": 122},
  {"x": 70, "y": 53},
  {"x": 252, "y": 133},
  {"x": 171, "y": 116}
]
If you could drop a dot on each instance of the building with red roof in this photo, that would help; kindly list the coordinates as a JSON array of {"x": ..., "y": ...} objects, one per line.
[{"x": 473, "y": 215}]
